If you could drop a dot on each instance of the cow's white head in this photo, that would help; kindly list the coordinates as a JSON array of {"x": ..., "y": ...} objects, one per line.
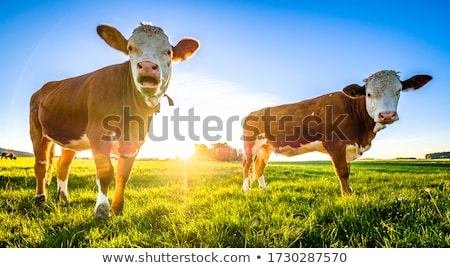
[
  {"x": 151, "y": 55},
  {"x": 382, "y": 92}
]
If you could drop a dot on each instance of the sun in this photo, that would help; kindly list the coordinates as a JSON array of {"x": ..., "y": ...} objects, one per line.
[{"x": 184, "y": 150}]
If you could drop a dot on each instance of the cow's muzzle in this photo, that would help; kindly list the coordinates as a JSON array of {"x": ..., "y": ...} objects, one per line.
[
  {"x": 387, "y": 117},
  {"x": 148, "y": 77}
]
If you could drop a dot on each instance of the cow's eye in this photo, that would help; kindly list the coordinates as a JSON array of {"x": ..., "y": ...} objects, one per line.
[
  {"x": 369, "y": 95},
  {"x": 130, "y": 48},
  {"x": 169, "y": 53}
]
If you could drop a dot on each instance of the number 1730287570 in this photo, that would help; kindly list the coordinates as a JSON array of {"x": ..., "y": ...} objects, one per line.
[{"x": 307, "y": 257}]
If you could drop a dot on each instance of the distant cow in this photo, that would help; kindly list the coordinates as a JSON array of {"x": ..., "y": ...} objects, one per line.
[
  {"x": 341, "y": 124},
  {"x": 108, "y": 111},
  {"x": 9, "y": 155}
]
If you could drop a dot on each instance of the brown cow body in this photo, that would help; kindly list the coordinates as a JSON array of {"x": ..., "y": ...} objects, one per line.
[
  {"x": 9, "y": 155},
  {"x": 70, "y": 112},
  {"x": 341, "y": 124},
  {"x": 108, "y": 111}
]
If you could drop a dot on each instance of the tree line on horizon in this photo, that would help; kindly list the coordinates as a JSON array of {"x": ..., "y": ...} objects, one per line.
[{"x": 217, "y": 152}]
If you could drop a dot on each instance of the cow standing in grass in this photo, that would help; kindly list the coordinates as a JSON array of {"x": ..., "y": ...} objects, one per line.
[
  {"x": 108, "y": 111},
  {"x": 341, "y": 124},
  {"x": 9, "y": 155}
]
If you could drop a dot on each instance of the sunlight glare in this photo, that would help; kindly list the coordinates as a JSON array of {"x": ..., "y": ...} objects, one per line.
[{"x": 185, "y": 151}]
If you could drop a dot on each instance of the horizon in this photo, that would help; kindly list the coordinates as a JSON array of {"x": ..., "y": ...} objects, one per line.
[
  {"x": 253, "y": 54},
  {"x": 288, "y": 159}
]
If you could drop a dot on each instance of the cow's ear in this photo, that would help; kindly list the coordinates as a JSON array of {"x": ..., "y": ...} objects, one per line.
[
  {"x": 185, "y": 49},
  {"x": 113, "y": 37},
  {"x": 416, "y": 82},
  {"x": 354, "y": 91}
]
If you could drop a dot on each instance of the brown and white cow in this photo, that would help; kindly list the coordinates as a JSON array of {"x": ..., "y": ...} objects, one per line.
[
  {"x": 108, "y": 111},
  {"x": 341, "y": 124},
  {"x": 9, "y": 155}
]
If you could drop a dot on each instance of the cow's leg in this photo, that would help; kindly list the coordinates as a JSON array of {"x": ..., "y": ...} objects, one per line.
[
  {"x": 43, "y": 153},
  {"x": 247, "y": 169},
  {"x": 341, "y": 168},
  {"x": 262, "y": 157},
  {"x": 105, "y": 175},
  {"x": 254, "y": 164},
  {"x": 62, "y": 173},
  {"x": 124, "y": 167}
]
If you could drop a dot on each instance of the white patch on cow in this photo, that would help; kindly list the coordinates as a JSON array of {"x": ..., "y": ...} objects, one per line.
[
  {"x": 151, "y": 44},
  {"x": 42, "y": 162},
  {"x": 354, "y": 151},
  {"x": 246, "y": 185},
  {"x": 79, "y": 145},
  {"x": 260, "y": 141},
  {"x": 62, "y": 186},
  {"x": 304, "y": 148},
  {"x": 53, "y": 140},
  {"x": 351, "y": 152},
  {"x": 382, "y": 93},
  {"x": 39, "y": 195},
  {"x": 262, "y": 182},
  {"x": 102, "y": 199},
  {"x": 261, "y": 154},
  {"x": 152, "y": 102},
  {"x": 378, "y": 127}
]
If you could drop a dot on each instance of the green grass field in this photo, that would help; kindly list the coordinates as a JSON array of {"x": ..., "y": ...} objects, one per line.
[{"x": 201, "y": 204}]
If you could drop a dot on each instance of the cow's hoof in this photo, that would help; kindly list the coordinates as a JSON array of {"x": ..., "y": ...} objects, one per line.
[
  {"x": 246, "y": 185},
  {"x": 351, "y": 190},
  {"x": 117, "y": 210},
  {"x": 62, "y": 196},
  {"x": 101, "y": 212},
  {"x": 40, "y": 199}
]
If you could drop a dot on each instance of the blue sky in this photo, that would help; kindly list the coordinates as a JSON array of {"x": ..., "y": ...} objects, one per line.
[{"x": 253, "y": 54}]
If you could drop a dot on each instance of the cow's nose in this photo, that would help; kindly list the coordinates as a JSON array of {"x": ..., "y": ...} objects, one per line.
[
  {"x": 387, "y": 117},
  {"x": 148, "y": 68}
]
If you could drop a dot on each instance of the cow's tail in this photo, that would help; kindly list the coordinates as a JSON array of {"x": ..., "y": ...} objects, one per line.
[
  {"x": 249, "y": 170},
  {"x": 249, "y": 161},
  {"x": 252, "y": 169},
  {"x": 51, "y": 153},
  {"x": 260, "y": 141}
]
